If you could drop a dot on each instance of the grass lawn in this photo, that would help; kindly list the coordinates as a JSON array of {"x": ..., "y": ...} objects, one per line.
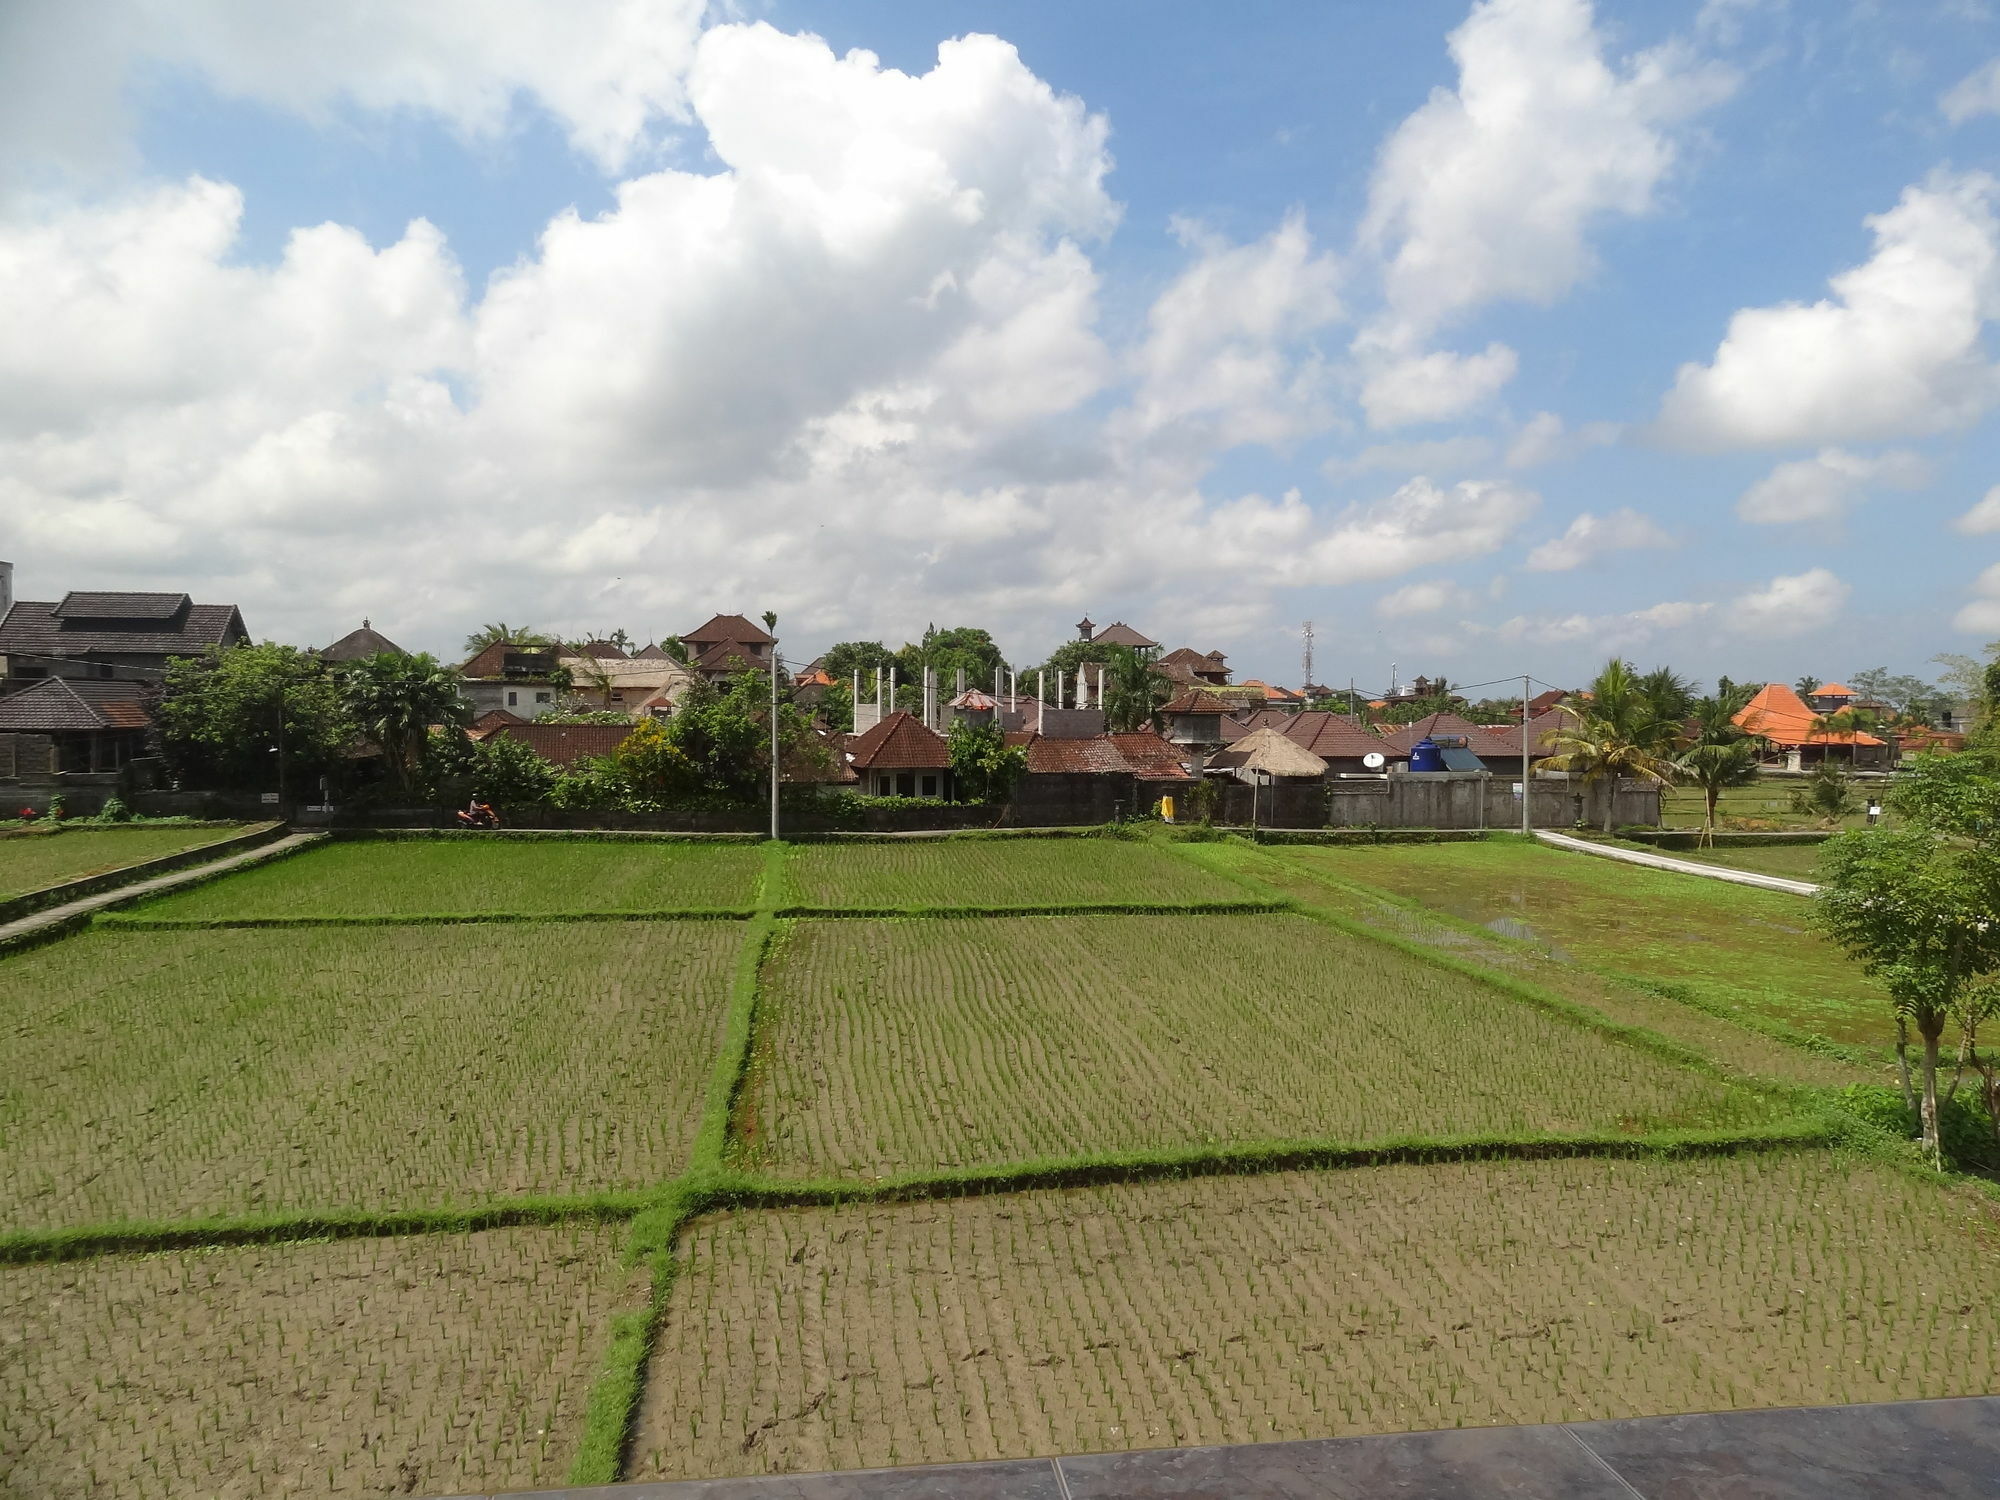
[
  {"x": 1768, "y": 800},
  {"x": 1793, "y": 861},
  {"x": 35, "y": 861},
  {"x": 905, "y": 1045},
  {"x": 1000, "y": 872},
  {"x": 168, "y": 1075},
  {"x": 1307, "y": 1305},
  {"x": 435, "y": 1364},
  {"x": 370, "y": 877},
  {"x": 1745, "y": 952}
]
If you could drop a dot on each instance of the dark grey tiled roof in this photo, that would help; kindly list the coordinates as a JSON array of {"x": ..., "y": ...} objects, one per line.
[
  {"x": 60, "y": 703},
  {"x": 32, "y": 627},
  {"x": 103, "y": 605}
]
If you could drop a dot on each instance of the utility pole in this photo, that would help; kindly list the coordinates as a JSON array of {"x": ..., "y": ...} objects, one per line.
[
  {"x": 771, "y": 624},
  {"x": 1527, "y": 786},
  {"x": 1305, "y": 687}
]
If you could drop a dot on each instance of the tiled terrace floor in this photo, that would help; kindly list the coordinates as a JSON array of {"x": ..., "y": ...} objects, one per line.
[{"x": 1938, "y": 1450}]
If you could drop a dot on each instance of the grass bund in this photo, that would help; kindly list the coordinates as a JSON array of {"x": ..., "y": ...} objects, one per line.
[
  {"x": 33, "y": 861},
  {"x": 959, "y": 1148}
]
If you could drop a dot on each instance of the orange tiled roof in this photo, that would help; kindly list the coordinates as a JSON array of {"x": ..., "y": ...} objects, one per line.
[{"x": 1781, "y": 716}]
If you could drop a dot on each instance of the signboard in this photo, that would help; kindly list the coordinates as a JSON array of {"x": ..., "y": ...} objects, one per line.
[
  {"x": 1517, "y": 789},
  {"x": 270, "y": 796}
]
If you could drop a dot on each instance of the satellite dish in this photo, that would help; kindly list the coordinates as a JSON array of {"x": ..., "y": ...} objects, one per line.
[{"x": 1374, "y": 760}]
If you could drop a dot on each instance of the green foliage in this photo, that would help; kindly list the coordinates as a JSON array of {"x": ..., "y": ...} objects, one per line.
[
  {"x": 1616, "y": 733},
  {"x": 845, "y": 659},
  {"x": 947, "y": 651},
  {"x": 224, "y": 713},
  {"x": 1965, "y": 1134},
  {"x": 723, "y": 735},
  {"x": 1412, "y": 709},
  {"x": 499, "y": 631},
  {"x": 985, "y": 766},
  {"x": 395, "y": 700},
  {"x": 1134, "y": 691},
  {"x": 836, "y": 706},
  {"x": 583, "y": 716},
  {"x": 1490, "y": 711},
  {"x": 1806, "y": 686},
  {"x": 1715, "y": 766},
  {"x": 1827, "y": 794},
  {"x": 1066, "y": 658}
]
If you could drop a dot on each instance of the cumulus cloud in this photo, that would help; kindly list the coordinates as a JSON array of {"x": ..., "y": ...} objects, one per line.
[
  {"x": 1420, "y": 524},
  {"x": 1590, "y": 537},
  {"x": 1981, "y": 614},
  {"x": 1425, "y": 598},
  {"x": 1894, "y": 351},
  {"x": 610, "y": 72},
  {"x": 1225, "y": 357},
  {"x": 1984, "y": 518},
  {"x": 1795, "y": 604},
  {"x": 1452, "y": 455},
  {"x": 1488, "y": 191},
  {"x": 1543, "y": 439},
  {"x": 1611, "y": 632},
  {"x": 1827, "y": 485}
]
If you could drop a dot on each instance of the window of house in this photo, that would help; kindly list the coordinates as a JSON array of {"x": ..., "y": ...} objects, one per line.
[
  {"x": 541, "y": 697},
  {"x": 906, "y": 784},
  {"x": 930, "y": 786},
  {"x": 512, "y": 699}
]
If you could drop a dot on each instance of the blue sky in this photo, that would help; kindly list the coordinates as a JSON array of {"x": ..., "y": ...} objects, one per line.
[{"x": 1214, "y": 319}]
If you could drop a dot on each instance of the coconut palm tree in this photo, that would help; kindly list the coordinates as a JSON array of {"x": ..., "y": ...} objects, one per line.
[
  {"x": 1134, "y": 692},
  {"x": 499, "y": 631},
  {"x": 1601, "y": 749},
  {"x": 1715, "y": 766},
  {"x": 395, "y": 700}
]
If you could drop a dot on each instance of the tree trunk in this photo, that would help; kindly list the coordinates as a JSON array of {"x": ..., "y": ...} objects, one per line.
[
  {"x": 1931, "y": 1031},
  {"x": 1903, "y": 1061},
  {"x": 1713, "y": 794},
  {"x": 1610, "y": 797}
]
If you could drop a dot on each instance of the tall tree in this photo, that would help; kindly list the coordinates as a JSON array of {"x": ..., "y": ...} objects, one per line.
[
  {"x": 1134, "y": 691},
  {"x": 395, "y": 700},
  {"x": 228, "y": 718},
  {"x": 1609, "y": 737},
  {"x": 1806, "y": 686},
  {"x": 1715, "y": 766},
  {"x": 983, "y": 764},
  {"x": 964, "y": 648}
]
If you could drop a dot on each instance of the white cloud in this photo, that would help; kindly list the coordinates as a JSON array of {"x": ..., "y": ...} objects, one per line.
[
  {"x": 1826, "y": 486},
  {"x": 1608, "y": 632},
  {"x": 609, "y": 72},
  {"x": 1590, "y": 537},
  {"x": 1984, "y": 518},
  {"x": 1543, "y": 439},
  {"x": 1423, "y": 599},
  {"x": 1487, "y": 192},
  {"x": 1981, "y": 615},
  {"x": 1978, "y": 93},
  {"x": 1796, "y": 604},
  {"x": 1223, "y": 348},
  {"x": 1450, "y": 455},
  {"x": 1420, "y": 525},
  {"x": 1895, "y": 350}
]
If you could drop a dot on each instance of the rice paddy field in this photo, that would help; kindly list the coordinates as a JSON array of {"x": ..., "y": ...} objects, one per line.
[
  {"x": 33, "y": 860},
  {"x": 448, "y": 877},
  {"x": 1742, "y": 952},
  {"x": 1793, "y": 861},
  {"x": 480, "y": 1170},
  {"x": 898, "y": 1046}
]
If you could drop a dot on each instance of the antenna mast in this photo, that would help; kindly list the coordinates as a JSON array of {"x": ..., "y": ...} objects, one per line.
[{"x": 1306, "y": 636}]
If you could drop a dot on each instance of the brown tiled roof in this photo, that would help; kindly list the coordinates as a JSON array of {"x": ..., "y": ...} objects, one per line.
[
  {"x": 899, "y": 743},
  {"x": 491, "y": 662},
  {"x": 1483, "y": 743},
  {"x": 603, "y": 651},
  {"x": 491, "y": 720},
  {"x": 1199, "y": 661},
  {"x": 34, "y": 627},
  {"x": 59, "y": 703},
  {"x": 111, "y": 605},
  {"x": 356, "y": 644},
  {"x": 653, "y": 652},
  {"x": 1151, "y": 758},
  {"x": 1118, "y": 633},
  {"x": 1196, "y": 701},
  {"x": 1330, "y": 736},
  {"x": 566, "y": 744},
  {"x": 727, "y": 656},
  {"x": 728, "y": 628},
  {"x": 1142, "y": 754}
]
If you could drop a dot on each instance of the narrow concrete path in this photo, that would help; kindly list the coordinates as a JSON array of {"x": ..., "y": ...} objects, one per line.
[
  {"x": 1678, "y": 866},
  {"x": 55, "y": 919},
  {"x": 1939, "y": 1450}
]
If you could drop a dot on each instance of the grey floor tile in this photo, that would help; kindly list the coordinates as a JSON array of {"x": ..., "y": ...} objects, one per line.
[
  {"x": 1937, "y": 1450},
  {"x": 1490, "y": 1463}
]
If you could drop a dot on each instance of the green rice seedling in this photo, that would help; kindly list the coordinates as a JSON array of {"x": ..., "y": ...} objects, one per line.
[
  {"x": 171, "y": 1075},
  {"x": 1301, "y": 1305},
  {"x": 34, "y": 861},
  {"x": 1006, "y": 872},
  {"x": 911, "y": 1046},
  {"x": 397, "y": 878},
  {"x": 435, "y": 1364}
]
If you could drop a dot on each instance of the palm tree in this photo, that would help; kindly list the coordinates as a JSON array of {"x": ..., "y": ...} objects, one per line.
[
  {"x": 500, "y": 631},
  {"x": 1828, "y": 794},
  {"x": 395, "y": 700},
  {"x": 1714, "y": 766},
  {"x": 1134, "y": 693},
  {"x": 1647, "y": 710},
  {"x": 593, "y": 676},
  {"x": 1601, "y": 749}
]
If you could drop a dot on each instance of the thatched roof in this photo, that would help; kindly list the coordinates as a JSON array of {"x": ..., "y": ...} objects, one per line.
[{"x": 1268, "y": 751}]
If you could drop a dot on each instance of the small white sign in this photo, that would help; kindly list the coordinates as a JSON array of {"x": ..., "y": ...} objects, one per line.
[
  {"x": 1517, "y": 789},
  {"x": 270, "y": 796}
]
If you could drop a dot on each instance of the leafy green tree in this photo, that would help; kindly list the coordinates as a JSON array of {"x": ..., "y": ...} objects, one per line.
[
  {"x": 1915, "y": 908},
  {"x": 836, "y": 706},
  {"x": 508, "y": 774},
  {"x": 1669, "y": 697},
  {"x": 500, "y": 630},
  {"x": 226, "y": 715},
  {"x": 1065, "y": 659},
  {"x": 394, "y": 700},
  {"x": 984, "y": 765},
  {"x": 1491, "y": 711},
  {"x": 1715, "y": 766},
  {"x": 1134, "y": 691},
  {"x": 1806, "y": 686},
  {"x": 1899, "y": 690},
  {"x": 652, "y": 763},
  {"x": 848, "y": 657},
  {"x": 724, "y": 734},
  {"x": 1412, "y": 710},
  {"x": 947, "y": 652}
]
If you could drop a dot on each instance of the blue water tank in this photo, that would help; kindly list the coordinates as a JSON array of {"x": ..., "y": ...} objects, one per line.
[{"x": 1425, "y": 755}]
